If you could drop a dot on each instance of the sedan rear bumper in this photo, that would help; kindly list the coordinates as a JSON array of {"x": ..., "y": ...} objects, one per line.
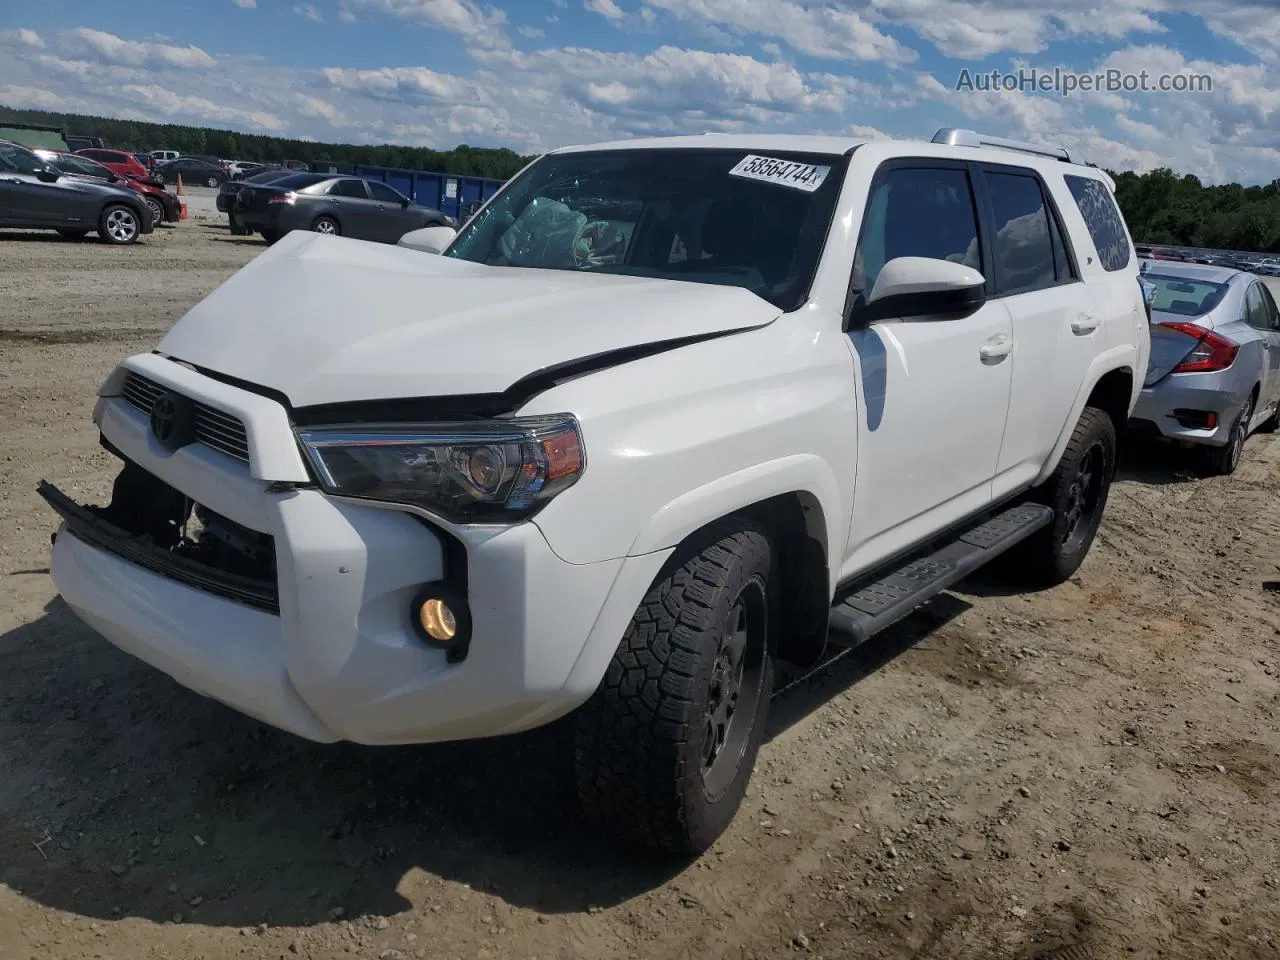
[{"x": 1196, "y": 408}]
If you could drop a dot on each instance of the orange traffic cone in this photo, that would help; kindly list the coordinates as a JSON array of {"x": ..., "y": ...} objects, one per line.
[{"x": 182, "y": 204}]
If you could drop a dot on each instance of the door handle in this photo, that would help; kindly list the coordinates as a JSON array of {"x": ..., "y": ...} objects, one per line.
[
  {"x": 1083, "y": 324},
  {"x": 996, "y": 349}
]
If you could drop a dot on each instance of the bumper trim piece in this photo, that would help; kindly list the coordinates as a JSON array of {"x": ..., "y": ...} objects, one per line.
[{"x": 106, "y": 536}]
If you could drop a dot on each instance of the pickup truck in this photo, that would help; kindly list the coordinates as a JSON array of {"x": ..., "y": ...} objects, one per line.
[{"x": 662, "y": 414}]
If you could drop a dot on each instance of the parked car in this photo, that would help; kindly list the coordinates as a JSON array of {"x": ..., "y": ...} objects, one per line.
[
  {"x": 226, "y": 198},
  {"x": 164, "y": 156},
  {"x": 81, "y": 143},
  {"x": 346, "y": 206},
  {"x": 164, "y": 206},
  {"x": 598, "y": 459},
  {"x": 194, "y": 170},
  {"x": 1270, "y": 267},
  {"x": 37, "y": 196},
  {"x": 118, "y": 161},
  {"x": 1214, "y": 374},
  {"x": 241, "y": 168}
]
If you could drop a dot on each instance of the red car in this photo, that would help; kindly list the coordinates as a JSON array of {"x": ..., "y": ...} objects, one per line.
[
  {"x": 117, "y": 161},
  {"x": 164, "y": 206}
]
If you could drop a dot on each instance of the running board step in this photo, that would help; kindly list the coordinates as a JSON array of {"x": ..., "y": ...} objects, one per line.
[{"x": 882, "y": 603}]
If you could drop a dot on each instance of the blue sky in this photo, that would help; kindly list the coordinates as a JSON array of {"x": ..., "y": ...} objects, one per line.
[{"x": 535, "y": 74}]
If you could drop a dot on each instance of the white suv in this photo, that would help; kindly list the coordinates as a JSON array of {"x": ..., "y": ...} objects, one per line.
[{"x": 662, "y": 413}]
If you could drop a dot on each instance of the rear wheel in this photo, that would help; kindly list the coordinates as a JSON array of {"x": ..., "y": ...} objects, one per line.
[
  {"x": 119, "y": 224},
  {"x": 327, "y": 225},
  {"x": 1077, "y": 492},
  {"x": 665, "y": 747},
  {"x": 1224, "y": 460}
]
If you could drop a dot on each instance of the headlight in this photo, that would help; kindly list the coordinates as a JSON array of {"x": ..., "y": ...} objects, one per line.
[{"x": 488, "y": 471}]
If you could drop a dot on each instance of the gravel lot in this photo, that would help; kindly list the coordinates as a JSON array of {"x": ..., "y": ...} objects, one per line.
[{"x": 1089, "y": 772}]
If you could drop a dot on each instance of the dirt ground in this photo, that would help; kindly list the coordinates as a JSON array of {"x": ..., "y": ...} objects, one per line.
[{"x": 1084, "y": 773}]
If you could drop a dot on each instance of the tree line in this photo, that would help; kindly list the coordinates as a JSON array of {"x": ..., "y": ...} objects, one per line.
[
  {"x": 140, "y": 137},
  {"x": 1160, "y": 206}
]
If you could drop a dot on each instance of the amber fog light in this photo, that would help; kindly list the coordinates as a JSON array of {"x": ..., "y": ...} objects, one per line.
[{"x": 442, "y": 619}]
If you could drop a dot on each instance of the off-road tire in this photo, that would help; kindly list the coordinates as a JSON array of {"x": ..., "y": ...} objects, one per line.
[
  {"x": 1223, "y": 461},
  {"x": 639, "y": 742},
  {"x": 1054, "y": 554}
]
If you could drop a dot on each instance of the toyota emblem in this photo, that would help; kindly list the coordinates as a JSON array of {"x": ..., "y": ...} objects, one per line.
[{"x": 173, "y": 420}]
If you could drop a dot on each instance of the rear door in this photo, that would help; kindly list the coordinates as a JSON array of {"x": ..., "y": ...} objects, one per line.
[
  {"x": 1055, "y": 331},
  {"x": 348, "y": 201},
  {"x": 1260, "y": 313}
]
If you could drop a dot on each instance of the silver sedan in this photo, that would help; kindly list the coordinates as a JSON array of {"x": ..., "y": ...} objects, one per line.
[{"x": 1214, "y": 375}]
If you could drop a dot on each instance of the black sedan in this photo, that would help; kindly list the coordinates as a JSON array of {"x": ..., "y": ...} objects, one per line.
[
  {"x": 194, "y": 170},
  {"x": 37, "y": 196},
  {"x": 346, "y": 206},
  {"x": 225, "y": 201}
]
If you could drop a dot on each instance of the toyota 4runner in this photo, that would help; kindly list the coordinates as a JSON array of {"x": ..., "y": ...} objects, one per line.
[{"x": 661, "y": 414}]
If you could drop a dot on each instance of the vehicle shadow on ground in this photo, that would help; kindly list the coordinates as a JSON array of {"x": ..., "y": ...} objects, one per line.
[
  {"x": 126, "y": 795},
  {"x": 49, "y": 236},
  {"x": 1157, "y": 464}
]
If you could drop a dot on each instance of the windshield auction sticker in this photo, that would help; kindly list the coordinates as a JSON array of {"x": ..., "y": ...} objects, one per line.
[{"x": 799, "y": 176}]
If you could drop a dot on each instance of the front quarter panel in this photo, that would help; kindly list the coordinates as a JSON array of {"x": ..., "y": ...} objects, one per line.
[{"x": 680, "y": 439}]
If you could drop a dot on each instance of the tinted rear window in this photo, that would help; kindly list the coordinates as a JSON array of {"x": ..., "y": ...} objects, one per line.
[
  {"x": 1187, "y": 298},
  {"x": 1103, "y": 219},
  {"x": 298, "y": 181}
]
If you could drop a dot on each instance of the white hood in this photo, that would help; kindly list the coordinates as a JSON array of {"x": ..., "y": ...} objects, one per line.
[{"x": 328, "y": 320}]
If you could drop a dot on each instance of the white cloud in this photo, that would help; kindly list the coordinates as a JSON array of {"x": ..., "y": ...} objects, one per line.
[
  {"x": 533, "y": 33},
  {"x": 245, "y": 4},
  {"x": 404, "y": 84},
  {"x": 314, "y": 107},
  {"x": 35, "y": 98},
  {"x": 24, "y": 37},
  {"x": 170, "y": 103},
  {"x": 606, "y": 8},
  {"x": 308, "y": 11},
  {"x": 108, "y": 48},
  {"x": 483, "y": 28},
  {"x": 831, "y": 32}
]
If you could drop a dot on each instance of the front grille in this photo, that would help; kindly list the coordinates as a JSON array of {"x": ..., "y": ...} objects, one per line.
[{"x": 220, "y": 431}]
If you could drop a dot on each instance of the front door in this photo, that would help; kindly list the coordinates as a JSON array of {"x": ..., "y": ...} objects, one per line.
[{"x": 933, "y": 392}]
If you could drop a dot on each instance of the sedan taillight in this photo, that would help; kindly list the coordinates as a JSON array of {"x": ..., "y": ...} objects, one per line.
[
  {"x": 1211, "y": 352},
  {"x": 290, "y": 198}
]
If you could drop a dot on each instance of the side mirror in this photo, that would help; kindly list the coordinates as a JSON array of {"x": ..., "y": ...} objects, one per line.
[
  {"x": 918, "y": 287},
  {"x": 47, "y": 175},
  {"x": 429, "y": 239}
]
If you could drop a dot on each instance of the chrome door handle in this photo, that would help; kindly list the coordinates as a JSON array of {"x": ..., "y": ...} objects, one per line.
[
  {"x": 1083, "y": 324},
  {"x": 997, "y": 348}
]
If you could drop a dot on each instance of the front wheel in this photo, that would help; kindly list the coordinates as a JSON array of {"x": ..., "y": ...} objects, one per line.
[
  {"x": 118, "y": 224},
  {"x": 1224, "y": 460},
  {"x": 157, "y": 211},
  {"x": 665, "y": 747},
  {"x": 1077, "y": 492}
]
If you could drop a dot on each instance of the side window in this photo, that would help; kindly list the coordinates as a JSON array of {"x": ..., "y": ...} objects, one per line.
[
  {"x": 15, "y": 158},
  {"x": 1103, "y": 219},
  {"x": 1022, "y": 244},
  {"x": 384, "y": 193},
  {"x": 1255, "y": 308},
  {"x": 1272, "y": 309},
  {"x": 917, "y": 212},
  {"x": 349, "y": 188}
]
